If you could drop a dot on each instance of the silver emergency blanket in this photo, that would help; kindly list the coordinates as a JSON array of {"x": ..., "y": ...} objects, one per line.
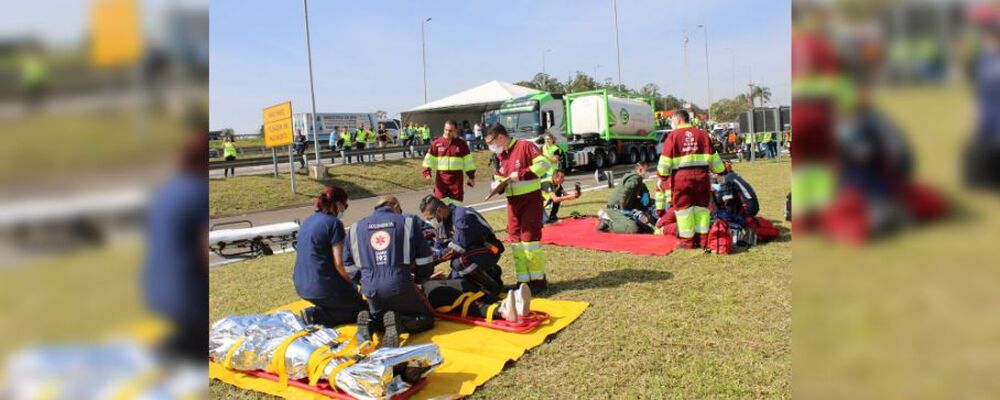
[
  {"x": 98, "y": 371},
  {"x": 371, "y": 377}
]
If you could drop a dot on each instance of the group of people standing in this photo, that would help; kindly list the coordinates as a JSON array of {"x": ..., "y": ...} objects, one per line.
[{"x": 753, "y": 145}]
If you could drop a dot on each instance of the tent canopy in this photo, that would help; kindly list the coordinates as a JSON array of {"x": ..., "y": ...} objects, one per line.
[
  {"x": 465, "y": 106},
  {"x": 483, "y": 95}
]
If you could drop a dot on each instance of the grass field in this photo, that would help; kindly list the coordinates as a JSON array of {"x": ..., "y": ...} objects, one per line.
[
  {"x": 62, "y": 143},
  {"x": 912, "y": 315},
  {"x": 229, "y": 196},
  {"x": 688, "y": 325}
]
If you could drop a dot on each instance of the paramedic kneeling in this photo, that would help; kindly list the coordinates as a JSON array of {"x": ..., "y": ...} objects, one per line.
[
  {"x": 319, "y": 275},
  {"x": 393, "y": 257}
]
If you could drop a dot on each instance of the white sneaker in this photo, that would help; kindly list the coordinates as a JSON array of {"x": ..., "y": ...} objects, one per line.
[
  {"x": 601, "y": 214},
  {"x": 522, "y": 300},
  {"x": 507, "y": 309}
]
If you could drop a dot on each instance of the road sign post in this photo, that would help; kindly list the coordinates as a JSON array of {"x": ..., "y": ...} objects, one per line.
[
  {"x": 274, "y": 159},
  {"x": 278, "y": 132}
]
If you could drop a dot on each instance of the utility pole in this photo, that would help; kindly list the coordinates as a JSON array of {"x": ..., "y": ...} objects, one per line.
[
  {"x": 423, "y": 54},
  {"x": 618, "y": 47},
  {"x": 686, "y": 94},
  {"x": 312, "y": 90},
  {"x": 543, "y": 59},
  {"x": 708, "y": 79}
]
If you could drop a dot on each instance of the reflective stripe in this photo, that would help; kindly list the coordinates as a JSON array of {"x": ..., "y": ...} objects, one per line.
[
  {"x": 444, "y": 163},
  {"x": 523, "y": 277},
  {"x": 539, "y": 165},
  {"x": 355, "y": 251},
  {"x": 529, "y": 246},
  {"x": 425, "y": 260},
  {"x": 716, "y": 163},
  {"x": 449, "y": 200},
  {"x": 664, "y": 165},
  {"x": 407, "y": 234},
  {"x": 469, "y": 163},
  {"x": 457, "y": 248}
]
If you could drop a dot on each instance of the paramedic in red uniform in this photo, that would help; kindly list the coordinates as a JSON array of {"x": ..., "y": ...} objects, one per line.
[
  {"x": 522, "y": 163},
  {"x": 683, "y": 169},
  {"x": 449, "y": 158}
]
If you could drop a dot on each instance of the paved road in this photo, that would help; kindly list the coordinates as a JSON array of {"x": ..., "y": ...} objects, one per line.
[{"x": 359, "y": 208}]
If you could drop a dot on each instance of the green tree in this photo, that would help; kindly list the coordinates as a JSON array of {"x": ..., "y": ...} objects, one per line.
[
  {"x": 581, "y": 83},
  {"x": 762, "y": 93},
  {"x": 728, "y": 110},
  {"x": 650, "y": 89}
]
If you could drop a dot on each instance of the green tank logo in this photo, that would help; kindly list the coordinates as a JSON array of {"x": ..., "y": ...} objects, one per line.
[{"x": 624, "y": 116}]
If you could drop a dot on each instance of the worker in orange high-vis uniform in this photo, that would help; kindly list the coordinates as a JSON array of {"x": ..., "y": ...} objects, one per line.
[
  {"x": 449, "y": 159},
  {"x": 521, "y": 164},
  {"x": 684, "y": 167}
]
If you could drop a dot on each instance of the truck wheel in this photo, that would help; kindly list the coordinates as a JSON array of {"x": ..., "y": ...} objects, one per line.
[
  {"x": 599, "y": 161},
  {"x": 651, "y": 153},
  {"x": 612, "y": 158},
  {"x": 633, "y": 155}
]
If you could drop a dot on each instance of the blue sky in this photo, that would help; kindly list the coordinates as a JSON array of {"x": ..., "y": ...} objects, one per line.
[{"x": 366, "y": 55}]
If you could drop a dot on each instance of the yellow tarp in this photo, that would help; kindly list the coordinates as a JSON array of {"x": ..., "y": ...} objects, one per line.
[{"x": 472, "y": 354}]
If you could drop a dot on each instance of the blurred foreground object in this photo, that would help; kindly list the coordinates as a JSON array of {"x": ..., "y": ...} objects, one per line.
[{"x": 982, "y": 167}]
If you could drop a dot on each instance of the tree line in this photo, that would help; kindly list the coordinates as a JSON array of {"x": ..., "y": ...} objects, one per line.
[{"x": 722, "y": 110}]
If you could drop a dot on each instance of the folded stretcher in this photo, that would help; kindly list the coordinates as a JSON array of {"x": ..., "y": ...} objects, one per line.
[
  {"x": 252, "y": 241},
  {"x": 524, "y": 324}
]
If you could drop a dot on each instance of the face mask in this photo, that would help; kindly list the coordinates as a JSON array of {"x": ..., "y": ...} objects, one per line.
[
  {"x": 495, "y": 148},
  {"x": 434, "y": 223}
]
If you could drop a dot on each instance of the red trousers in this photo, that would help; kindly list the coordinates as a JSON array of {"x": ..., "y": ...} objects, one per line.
[
  {"x": 449, "y": 184},
  {"x": 690, "y": 187},
  {"x": 524, "y": 217}
]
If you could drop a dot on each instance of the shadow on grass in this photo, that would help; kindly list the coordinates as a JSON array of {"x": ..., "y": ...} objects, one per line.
[
  {"x": 784, "y": 233},
  {"x": 609, "y": 279},
  {"x": 344, "y": 184}
]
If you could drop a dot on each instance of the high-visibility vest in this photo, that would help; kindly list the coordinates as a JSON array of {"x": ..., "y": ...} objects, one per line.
[
  {"x": 425, "y": 133},
  {"x": 549, "y": 151},
  {"x": 362, "y": 136},
  {"x": 228, "y": 149},
  {"x": 749, "y": 138},
  {"x": 346, "y": 136},
  {"x": 371, "y": 136},
  {"x": 404, "y": 133}
]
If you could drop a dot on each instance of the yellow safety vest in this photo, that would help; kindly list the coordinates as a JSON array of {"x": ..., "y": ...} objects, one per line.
[{"x": 228, "y": 149}]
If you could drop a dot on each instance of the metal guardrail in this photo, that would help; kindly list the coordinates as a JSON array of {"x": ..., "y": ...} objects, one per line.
[{"x": 325, "y": 154}]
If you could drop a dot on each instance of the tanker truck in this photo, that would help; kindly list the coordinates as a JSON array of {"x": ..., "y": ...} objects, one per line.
[{"x": 595, "y": 129}]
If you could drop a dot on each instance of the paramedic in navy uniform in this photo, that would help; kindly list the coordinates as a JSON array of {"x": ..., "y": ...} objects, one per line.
[
  {"x": 393, "y": 257},
  {"x": 319, "y": 275}
]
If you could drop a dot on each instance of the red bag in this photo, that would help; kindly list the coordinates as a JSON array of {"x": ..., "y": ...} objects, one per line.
[
  {"x": 764, "y": 228},
  {"x": 720, "y": 241}
]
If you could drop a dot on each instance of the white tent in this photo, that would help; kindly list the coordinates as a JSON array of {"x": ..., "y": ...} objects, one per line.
[{"x": 467, "y": 105}]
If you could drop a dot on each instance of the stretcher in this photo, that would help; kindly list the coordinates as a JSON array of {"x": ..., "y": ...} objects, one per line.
[
  {"x": 323, "y": 388},
  {"x": 524, "y": 324},
  {"x": 252, "y": 241}
]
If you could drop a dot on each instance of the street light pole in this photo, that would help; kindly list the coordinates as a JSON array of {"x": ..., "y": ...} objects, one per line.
[
  {"x": 618, "y": 48},
  {"x": 423, "y": 54},
  {"x": 543, "y": 59},
  {"x": 595, "y": 71},
  {"x": 312, "y": 91},
  {"x": 708, "y": 80}
]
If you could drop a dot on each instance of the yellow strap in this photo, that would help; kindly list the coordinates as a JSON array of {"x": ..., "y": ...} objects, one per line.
[
  {"x": 458, "y": 301},
  {"x": 278, "y": 360},
  {"x": 468, "y": 302},
  {"x": 489, "y": 312},
  {"x": 336, "y": 370},
  {"x": 322, "y": 356},
  {"x": 132, "y": 389},
  {"x": 228, "y": 361}
]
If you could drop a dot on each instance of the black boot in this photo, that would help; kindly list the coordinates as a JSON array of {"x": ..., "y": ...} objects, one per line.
[
  {"x": 364, "y": 325},
  {"x": 391, "y": 336}
]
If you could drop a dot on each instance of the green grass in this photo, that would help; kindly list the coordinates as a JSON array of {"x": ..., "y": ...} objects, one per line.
[
  {"x": 912, "y": 315},
  {"x": 688, "y": 325},
  {"x": 57, "y": 143},
  {"x": 76, "y": 296},
  {"x": 230, "y": 195}
]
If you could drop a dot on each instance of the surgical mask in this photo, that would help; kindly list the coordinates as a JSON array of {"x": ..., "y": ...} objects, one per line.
[
  {"x": 496, "y": 148},
  {"x": 434, "y": 222}
]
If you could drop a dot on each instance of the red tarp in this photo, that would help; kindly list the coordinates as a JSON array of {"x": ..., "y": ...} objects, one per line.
[{"x": 581, "y": 233}]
